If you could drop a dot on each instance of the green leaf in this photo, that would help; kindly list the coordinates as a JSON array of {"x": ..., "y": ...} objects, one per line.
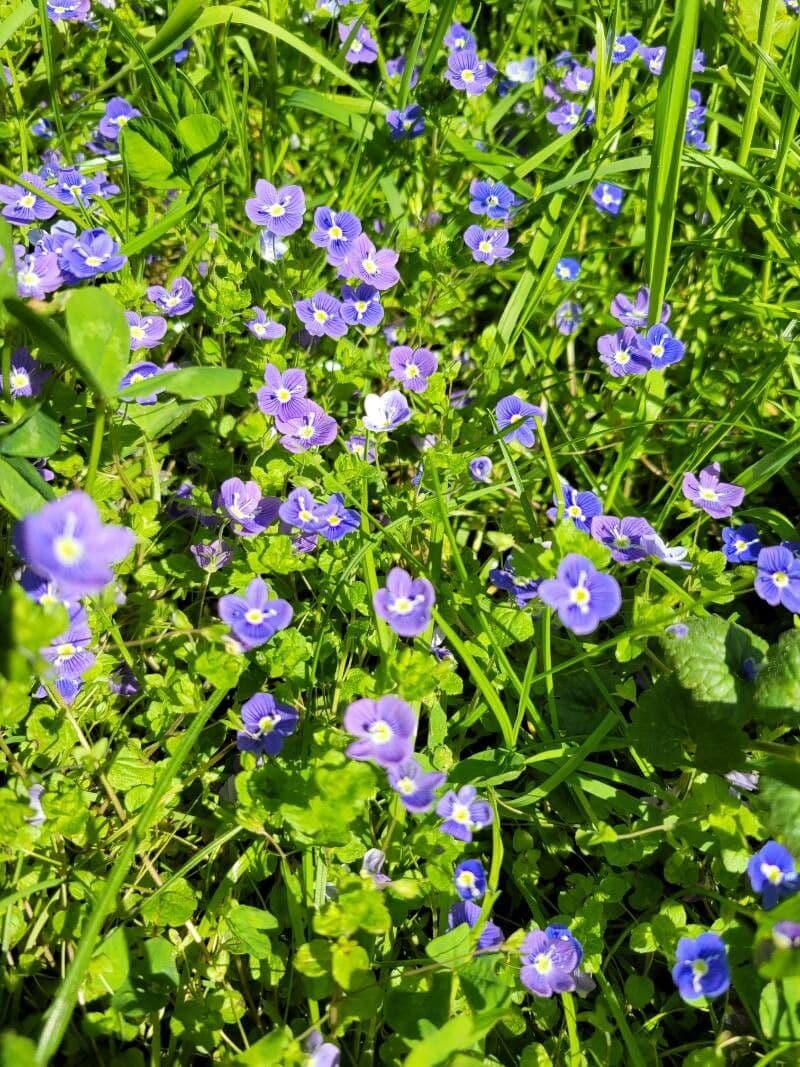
[
  {"x": 35, "y": 437},
  {"x": 203, "y": 138},
  {"x": 8, "y": 271},
  {"x": 22, "y": 489},
  {"x": 669, "y": 128},
  {"x": 350, "y": 965},
  {"x": 171, "y": 905},
  {"x": 249, "y": 927},
  {"x": 99, "y": 337},
  {"x": 25, "y": 628},
  {"x": 779, "y": 1010},
  {"x": 453, "y": 948},
  {"x": 777, "y": 687},
  {"x": 188, "y": 383},
  {"x": 779, "y": 788},
  {"x": 708, "y": 662},
  {"x": 176, "y": 28},
  {"x": 150, "y": 155}
]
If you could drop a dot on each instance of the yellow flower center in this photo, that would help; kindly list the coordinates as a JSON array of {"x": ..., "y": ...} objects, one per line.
[
  {"x": 380, "y": 732},
  {"x": 283, "y": 395},
  {"x": 485, "y": 246},
  {"x": 780, "y": 578},
  {"x": 68, "y": 549},
  {"x": 335, "y": 232},
  {"x": 276, "y": 210},
  {"x": 468, "y": 76},
  {"x": 254, "y": 616}
]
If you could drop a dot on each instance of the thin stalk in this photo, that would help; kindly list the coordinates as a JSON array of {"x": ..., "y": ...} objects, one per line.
[{"x": 98, "y": 432}]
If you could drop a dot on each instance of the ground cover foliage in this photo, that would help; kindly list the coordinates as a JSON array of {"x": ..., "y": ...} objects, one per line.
[{"x": 399, "y": 658}]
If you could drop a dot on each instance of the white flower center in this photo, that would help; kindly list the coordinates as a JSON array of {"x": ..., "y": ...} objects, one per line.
[
  {"x": 283, "y": 395},
  {"x": 68, "y": 549},
  {"x": 276, "y": 210},
  {"x": 19, "y": 379},
  {"x": 381, "y": 732},
  {"x": 485, "y": 246},
  {"x": 542, "y": 963},
  {"x": 780, "y": 579},
  {"x": 657, "y": 350},
  {"x": 320, "y": 316},
  {"x": 94, "y": 261},
  {"x": 267, "y": 724},
  {"x": 66, "y": 650},
  {"x": 468, "y": 76},
  {"x": 461, "y": 814},
  {"x": 708, "y": 494},
  {"x": 28, "y": 200},
  {"x": 369, "y": 265},
  {"x": 335, "y": 232},
  {"x": 406, "y": 786},
  {"x": 254, "y": 616},
  {"x": 137, "y": 333}
]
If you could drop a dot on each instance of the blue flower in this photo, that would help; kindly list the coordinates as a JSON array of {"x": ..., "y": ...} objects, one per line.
[
  {"x": 660, "y": 347},
  {"x": 569, "y": 317},
  {"x": 480, "y": 469},
  {"x": 582, "y": 595},
  {"x": 267, "y": 724},
  {"x": 254, "y": 618},
  {"x": 408, "y": 123},
  {"x": 701, "y": 969},
  {"x": 520, "y": 415},
  {"x": 608, "y": 198},
  {"x": 361, "y": 306},
  {"x": 463, "y": 813},
  {"x": 95, "y": 252},
  {"x": 579, "y": 506},
  {"x": 773, "y": 874},
  {"x": 522, "y": 589},
  {"x": 567, "y": 270},
  {"x": 622, "y": 353},
  {"x": 490, "y": 198},
  {"x": 623, "y": 48},
  {"x": 467, "y": 912},
  {"x": 469, "y": 878},
  {"x": 740, "y": 544}
]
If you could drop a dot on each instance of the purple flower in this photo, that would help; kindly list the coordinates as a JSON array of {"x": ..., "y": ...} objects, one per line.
[
  {"x": 653, "y": 58},
  {"x": 300, "y": 510},
  {"x": 62, "y": 232},
  {"x": 68, "y": 10},
  {"x": 487, "y": 246},
  {"x": 463, "y": 813},
  {"x": 140, "y": 372},
  {"x": 395, "y": 68},
  {"x": 321, "y": 1053},
  {"x": 177, "y": 300},
  {"x": 415, "y": 787},
  {"x": 212, "y": 556},
  {"x": 146, "y": 330},
  {"x": 480, "y": 469},
  {"x": 408, "y": 123},
  {"x": 356, "y": 445},
  {"x": 468, "y": 73},
  {"x": 311, "y": 429},
  {"x": 385, "y": 730},
  {"x": 26, "y": 376},
  {"x": 740, "y": 544},
  {"x": 254, "y": 618},
  {"x": 334, "y": 520},
  {"x": 522, "y": 589},
  {"x": 41, "y": 590},
  {"x": 267, "y": 724},
  {"x": 565, "y": 117},
  {"x": 706, "y": 491},
  {"x": 490, "y": 198},
  {"x": 280, "y": 211},
  {"x": 582, "y": 595},
  {"x": 95, "y": 252},
  {"x": 608, "y": 198},
  {"x": 623, "y": 48},
  {"x": 459, "y": 39},
  {"x": 467, "y": 912},
  {"x": 778, "y": 578},
  {"x": 567, "y": 269},
  {"x": 35, "y": 794},
  {"x": 117, "y": 115},
  {"x": 701, "y": 969},
  {"x": 321, "y": 315},
  {"x": 386, "y": 412},
  {"x": 579, "y": 506},
  {"x": 361, "y": 306},
  {"x": 67, "y": 654},
  {"x": 578, "y": 79},
  {"x": 180, "y": 55},
  {"x": 635, "y": 313},
  {"x": 660, "y": 347},
  {"x": 569, "y": 317},
  {"x": 72, "y": 187},
  {"x": 264, "y": 328},
  {"x": 22, "y": 205},
  {"x": 335, "y": 230},
  {"x": 469, "y": 878},
  {"x": 37, "y": 274},
  {"x": 522, "y": 71},
  {"x": 66, "y": 542},
  {"x": 405, "y": 602},
  {"x": 521, "y": 416},
  {"x": 363, "y": 48},
  {"x": 622, "y": 536},
  {"x": 249, "y": 512},
  {"x": 622, "y": 353},
  {"x": 376, "y": 267},
  {"x": 549, "y": 962},
  {"x": 412, "y": 367},
  {"x": 271, "y": 248},
  {"x": 657, "y": 547},
  {"x": 283, "y": 395},
  {"x": 785, "y": 934}
]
